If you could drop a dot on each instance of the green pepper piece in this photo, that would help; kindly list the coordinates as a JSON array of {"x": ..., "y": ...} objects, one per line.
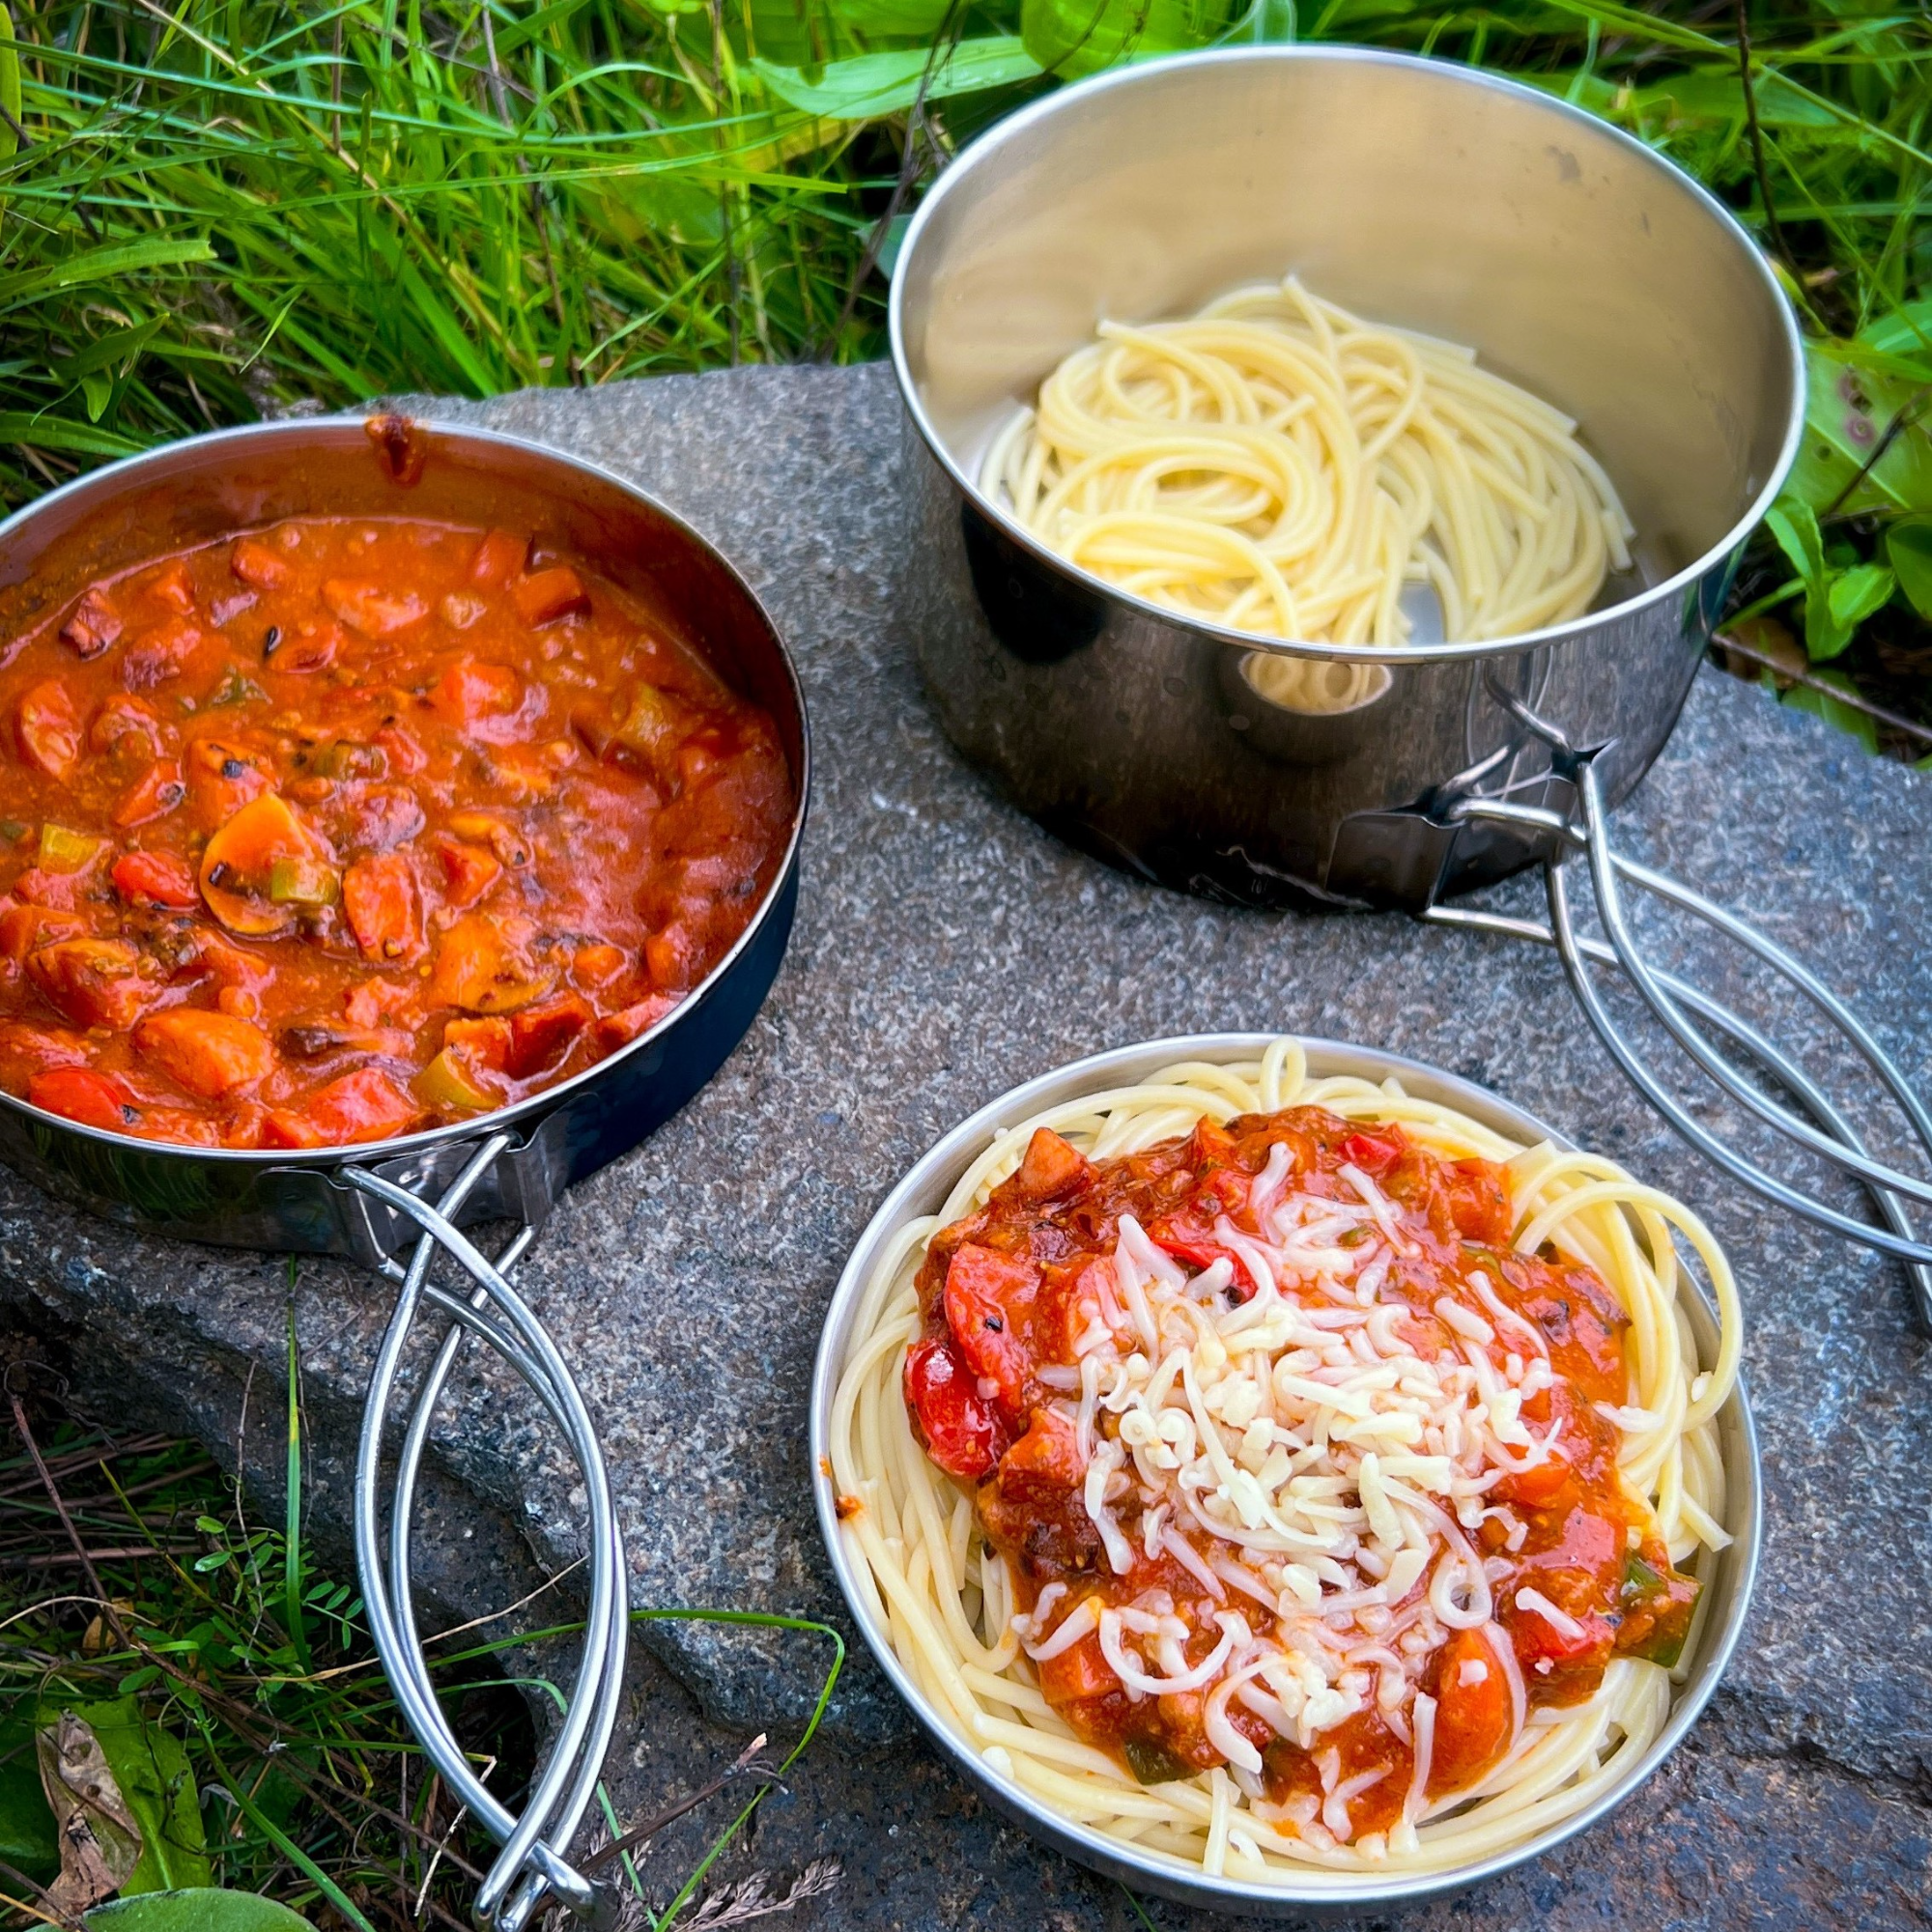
[
  {"x": 65, "y": 851},
  {"x": 303, "y": 882},
  {"x": 1153, "y": 1763}
]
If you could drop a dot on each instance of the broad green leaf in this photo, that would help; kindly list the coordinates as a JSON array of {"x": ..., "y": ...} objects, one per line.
[
  {"x": 1795, "y": 525},
  {"x": 1714, "y": 95},
  {"x": 1906, "y": 332},
  {"x": 1847, "y": 410},
  {"x": 1908, "y": 549},
  {"x": 199, "y": 1908},
  {"x": 96, "y": 389},
  {"x": 1850, "y": 598},
  {"x": 923, "y": 18},
  {"x": 1070, "y": 38},
  {"x": 870, "y": 85},
  {"x": 1821, "y": 704},
  {"x": 27, "y": 1841},
  {"x": 157, "y": 1785}
]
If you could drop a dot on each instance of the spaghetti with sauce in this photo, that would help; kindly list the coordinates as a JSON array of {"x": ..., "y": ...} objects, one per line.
[{"x": 1279, "y": 1472}]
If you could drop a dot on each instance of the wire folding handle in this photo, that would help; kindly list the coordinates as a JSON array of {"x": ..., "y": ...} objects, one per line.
[
  {"x": 1681, "y": 1006},
  {"x": 532, "y": 1866}
]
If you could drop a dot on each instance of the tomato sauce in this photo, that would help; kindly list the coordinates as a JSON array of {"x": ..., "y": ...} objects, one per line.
[
  {"x": 1006, "y": 1295},
  {"x": 347, "y": 826}
]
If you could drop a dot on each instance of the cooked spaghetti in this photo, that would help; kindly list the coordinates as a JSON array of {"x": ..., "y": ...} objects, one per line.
[
  {"x": 1279, "y": 466},
  {"x": 1281, "y": 1473}
]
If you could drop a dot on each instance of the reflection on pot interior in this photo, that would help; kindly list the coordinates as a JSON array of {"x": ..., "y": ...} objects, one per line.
[
  {"x": 1315, "y": 687},
  {"x": 1277, "y": 465}
]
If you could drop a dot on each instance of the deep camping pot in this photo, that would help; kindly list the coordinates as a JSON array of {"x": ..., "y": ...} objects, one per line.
[{"x": 1576, "y": 261}]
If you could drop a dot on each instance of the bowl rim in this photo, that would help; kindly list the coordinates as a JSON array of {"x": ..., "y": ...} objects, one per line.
[
  {"x": 521, "y": 1118},
  {"x": 956, "y": 180},
  {"x": 923, "y": 1187}
]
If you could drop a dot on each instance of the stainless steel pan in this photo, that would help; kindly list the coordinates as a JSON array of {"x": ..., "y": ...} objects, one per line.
[
  {"x": 1581, "y": 263},
  {"x": 1728, "y": 1576},
  {"x": 397, "y": 1204}
]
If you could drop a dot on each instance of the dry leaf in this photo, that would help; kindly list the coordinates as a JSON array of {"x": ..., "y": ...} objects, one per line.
[{"x": 100, "y": 1842}]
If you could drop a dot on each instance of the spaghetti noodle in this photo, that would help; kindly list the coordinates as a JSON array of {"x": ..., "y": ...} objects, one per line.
[
  {"x": 1322, "y": 1473},
  {"x": 1279, "y": 466}
]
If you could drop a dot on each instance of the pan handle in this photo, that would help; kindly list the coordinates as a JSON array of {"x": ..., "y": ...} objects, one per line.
[{"x": 533, "y": 1864}]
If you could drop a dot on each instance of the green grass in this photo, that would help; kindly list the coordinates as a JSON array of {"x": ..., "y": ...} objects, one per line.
[
  {"x": 225, "y": 207},
  {"x": 140, "y": 1588}
]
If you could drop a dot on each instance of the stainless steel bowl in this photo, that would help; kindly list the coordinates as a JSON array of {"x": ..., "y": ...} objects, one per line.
[
  {"x": 1729, "y": 1578},
  {"x": 1575, "y": 260}
]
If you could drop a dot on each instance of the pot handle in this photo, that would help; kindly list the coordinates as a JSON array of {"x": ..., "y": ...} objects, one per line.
[
  {"x": 1680, "y": 1006},
  {"x": 533, "y": 1863}
]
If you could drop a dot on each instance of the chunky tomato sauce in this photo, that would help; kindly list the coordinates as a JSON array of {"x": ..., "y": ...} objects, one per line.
[
  {"x": 1009, "y": 1296},
  {"x": 348, "y": 827}
]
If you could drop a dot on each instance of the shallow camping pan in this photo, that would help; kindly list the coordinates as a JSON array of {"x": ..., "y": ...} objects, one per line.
[
  {"x": 407, "y": 1196},
  {"x": 1728, "y": 1575}
]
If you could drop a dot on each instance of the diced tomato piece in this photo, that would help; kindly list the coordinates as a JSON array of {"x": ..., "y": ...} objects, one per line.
[
  {"x": 1189, "y": 1242},
  {"x": 620, "y": 1028},
  {"x": 470, "y": 691},
  {"x": 1475, "y": 1714},
  {"x": 254, "y": 563},
  {"x": 596, "y": 965},
  {"x": 37, "y": 886},
  {"x": 173, "y": 587},
  {"x": 26, "y": 1050},
  {"x": 546, "y": 595},
  {"x": 80, "y": 1093},
  {"x": 959, "y": 1428},
  {"x": 405, "y": 754},
  {"x": 375, "y": 1001},
  {"x": 209, "y": 1054},
  {"x": 674, "y": 957},
  {"x": 1051, "y": 1166},
  {"x": 1480, "y": 1202},
  {"x": 1535, "y": 1487},
  {"x": 1373, "y": 1150},
  {"x": 1077, "y": 1673},
  {"x": 370, "y": 609},
  {"x": 223, "y": 777},
  {"x": 467, "y": 871},
  {"x": 235, "y": 966},
  {"x": 1045, "y": 1461},
  {"x": 22, "y": 928},
  {"x": 984, "y": 1290},
  {"x": 155, "y": 879},
  {"x": 365, "y": 1105},
  {"x": 47, "y": 730},
  {"x": 94, "y": 983},
  {"x": 541, "y": 1035},
  {"x": 498, "y": 558},
  {"x": 93, "y": 625},
  {"x": 158, "y": 791},
  {"x": 379, "y": 895},
  {"x": 484, "y": 1043},
  {"x": 1546, "y": 1653}
]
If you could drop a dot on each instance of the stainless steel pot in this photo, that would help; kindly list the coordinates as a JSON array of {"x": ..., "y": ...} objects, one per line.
[
  {"x": 410, "y": 1196},
  {"x": 1577, "y": 261},
  {"x": 1727, "y": 1576}
]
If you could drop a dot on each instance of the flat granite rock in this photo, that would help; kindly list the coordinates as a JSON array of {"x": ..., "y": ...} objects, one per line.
[{"x": 946, "y": 949}]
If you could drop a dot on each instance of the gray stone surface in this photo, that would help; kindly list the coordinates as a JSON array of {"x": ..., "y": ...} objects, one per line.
[{"x": 947, "y": 949}]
